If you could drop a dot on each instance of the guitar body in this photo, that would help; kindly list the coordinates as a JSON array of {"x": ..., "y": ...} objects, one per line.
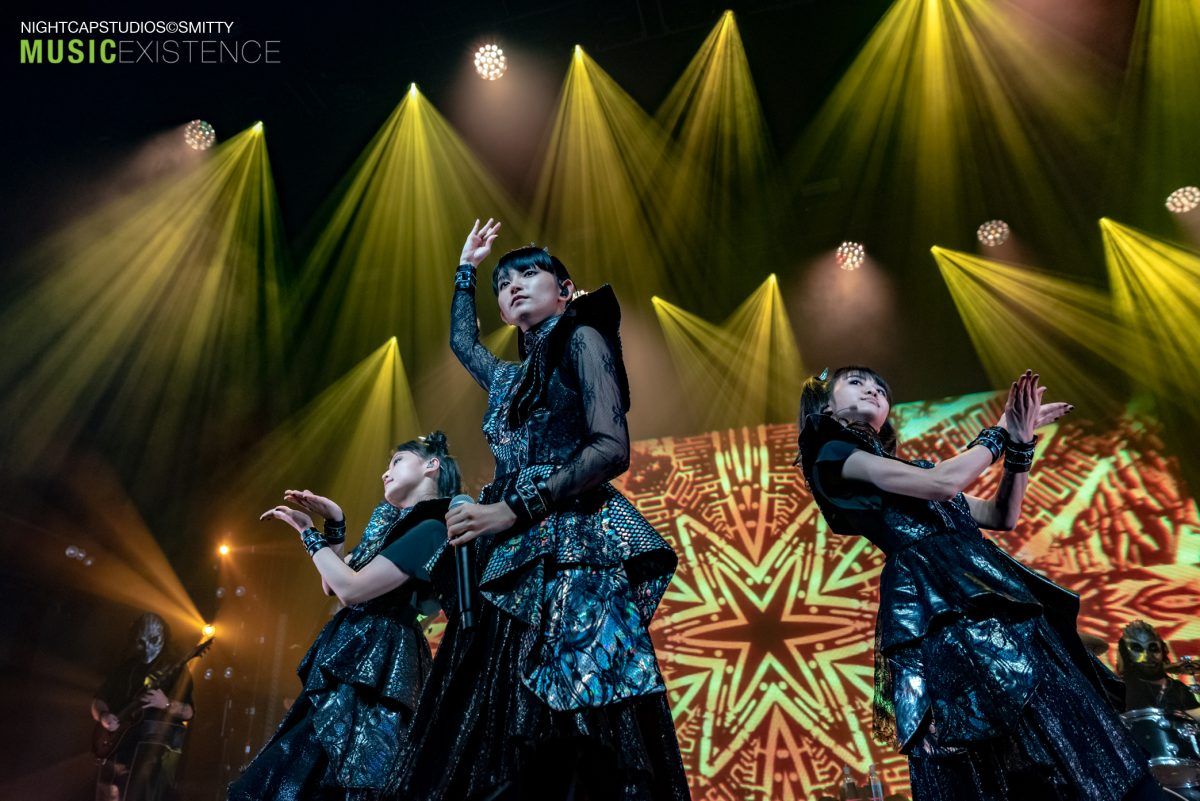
[{"x": 105, "y": 742}]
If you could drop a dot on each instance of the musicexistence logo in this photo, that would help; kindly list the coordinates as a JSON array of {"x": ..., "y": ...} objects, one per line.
[{"x": 157, "y": 42}]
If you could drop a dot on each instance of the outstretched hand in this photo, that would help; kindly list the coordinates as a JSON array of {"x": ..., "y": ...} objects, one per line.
[
  {"x": 293, "y": 517},
  {"x": 315, "y": 504},
  {"x": 479, "y": 242}
]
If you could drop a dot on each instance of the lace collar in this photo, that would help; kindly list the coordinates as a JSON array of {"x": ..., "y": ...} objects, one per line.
[{"x": 536, "y": 335}]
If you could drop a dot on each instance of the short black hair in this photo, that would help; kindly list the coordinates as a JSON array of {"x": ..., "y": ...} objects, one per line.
[
  {"x": 529, "y": 256},
  {"x": 435, "y": 446}
]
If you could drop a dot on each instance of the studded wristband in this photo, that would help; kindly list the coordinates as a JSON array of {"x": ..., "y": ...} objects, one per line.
[
  {"x": 313, "y": 540},
  {"x": 994, "y": 438},
  {"x": 1018, "y": 457},
  {"x": 464, "y": 277},
  {"x": 335, "y": 532},
  {"x": 528, "y": 500}
]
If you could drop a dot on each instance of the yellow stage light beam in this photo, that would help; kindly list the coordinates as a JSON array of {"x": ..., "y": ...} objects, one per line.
[
  {"x": 124, "y": 563},
  {"x": 746, "y": 371},
  {"x": 955, "y": 111},
  {"x": 1156, "y": 292},
  {"x": 337, "y": 445},
  {"x": 154, "y": 312},
  {"x": 384, "y": 261},
  {"x": 727, "y": 165},
  {"x": 1020, "y": 318},
  {"x": 1160, "y": 112},
  {"x": 597, "y": 205}
]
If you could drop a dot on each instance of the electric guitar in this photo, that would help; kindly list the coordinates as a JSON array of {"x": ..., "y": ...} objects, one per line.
[{"x": 105, "y": 742}]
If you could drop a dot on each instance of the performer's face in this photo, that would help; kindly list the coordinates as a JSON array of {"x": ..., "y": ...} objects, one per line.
[
  {"x": 405, "y": 471},
  {"x": 858, "y": 397},
  {"x": 528, "y": 297},
  {"x": 1146, "y": 654},
  {"x": 149, "y": 640}
]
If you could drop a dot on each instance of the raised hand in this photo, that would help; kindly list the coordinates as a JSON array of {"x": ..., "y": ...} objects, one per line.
[
  {"x": 293, "y": 517},
  {"x": 1025, "y": 391},
  {"x": 315, "y": 504},
  {"x": 1021, "y": 408},
  {"x": 479, "y": 242}
]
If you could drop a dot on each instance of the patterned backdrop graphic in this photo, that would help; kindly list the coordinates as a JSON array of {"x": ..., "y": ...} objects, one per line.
[{"x": 765, "y": 635}]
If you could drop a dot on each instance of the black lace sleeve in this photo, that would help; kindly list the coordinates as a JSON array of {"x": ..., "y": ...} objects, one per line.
[
  {"x": 604, "y": 453},
  {"x": 464, "y": 329}
]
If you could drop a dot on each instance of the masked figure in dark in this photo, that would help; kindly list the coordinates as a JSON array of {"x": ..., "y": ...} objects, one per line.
[
  {"x": 144, "y": 765},
  {"x": 981, "y": 678},
  {"x": 1142, "y": 658},
  {"x": 343, "y": 737},
  {"x": 556, "y": 692}
]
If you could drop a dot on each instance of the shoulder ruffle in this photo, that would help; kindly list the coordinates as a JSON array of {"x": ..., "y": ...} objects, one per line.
[{"x": 599, "y": 310}]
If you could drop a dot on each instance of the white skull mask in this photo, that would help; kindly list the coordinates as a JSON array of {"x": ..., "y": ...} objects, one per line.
[{"x": 150, "y": 634}]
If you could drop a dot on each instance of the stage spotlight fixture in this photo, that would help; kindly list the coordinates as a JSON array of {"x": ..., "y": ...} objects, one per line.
[
  {"x": 490, "y": 62},
  {"x": 220, "y": 592},
  {"x": 850, "y": 255},
  {"x": 88, "y": 561},
  {"x": 223, "y": 549},
  {"x": 209, "y": 630},
  {"x": 208, "y": 674},
  {"x": 72, "y": 552},
  {"x": 228, "y": 673},
  {"x": 1183, "y": 199},
  {"x": 993, "y": 233},
  {"x": 239, "y": 591},
  {"x": 199, "y": 135}
]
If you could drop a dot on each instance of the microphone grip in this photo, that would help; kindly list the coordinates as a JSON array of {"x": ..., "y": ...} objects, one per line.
[
  {"x": 465, "y": 581},
  {"x": 464, "y": 574}
]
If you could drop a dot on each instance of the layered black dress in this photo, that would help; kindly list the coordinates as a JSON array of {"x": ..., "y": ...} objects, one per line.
[
  {"x": 981, "y": 678},
  {"x": 558, "y": 686},
  {"x": 343, "y": 737}
]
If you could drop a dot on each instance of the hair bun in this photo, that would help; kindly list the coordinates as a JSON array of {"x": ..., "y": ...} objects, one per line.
[{"x": 436, "y": 443}]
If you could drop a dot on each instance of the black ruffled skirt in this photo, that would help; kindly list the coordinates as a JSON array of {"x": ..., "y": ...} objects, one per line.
[
  {"x": 1066, "y": 743},
  {"x": 480, "y": 733},
  {"x": 344, "y": 736}
]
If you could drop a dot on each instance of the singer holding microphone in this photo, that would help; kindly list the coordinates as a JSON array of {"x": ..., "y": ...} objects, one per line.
[
  {"x": 555, "y": 691},
  {"x": 344, "y": 736}
]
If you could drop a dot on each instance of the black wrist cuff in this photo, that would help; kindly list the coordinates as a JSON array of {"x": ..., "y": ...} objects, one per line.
[
  {"x": 313, "y": 540},
  {"x": 464, "y": 277},
  {"x": 529, "y": 500},
  {"x": 1018, "y": 457},
  {"x": 994, "y": 438},
  {"x": 335, "y": 531},
  {"x": 514, "y": 502}
]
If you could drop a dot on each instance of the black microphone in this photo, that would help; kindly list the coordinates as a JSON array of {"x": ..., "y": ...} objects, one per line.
[{"x": 464, "y": 573}]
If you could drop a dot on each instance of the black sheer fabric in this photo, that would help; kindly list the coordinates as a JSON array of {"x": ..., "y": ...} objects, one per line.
[
  {"x": 464, "y": 340},
  {"x": 573, "y": 704},
  {"x": 591, "y": 372},
  {"x": 604, "y": 453}
]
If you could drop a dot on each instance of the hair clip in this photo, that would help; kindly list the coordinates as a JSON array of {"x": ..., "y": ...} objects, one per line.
[{"x": 824, "y": 375}]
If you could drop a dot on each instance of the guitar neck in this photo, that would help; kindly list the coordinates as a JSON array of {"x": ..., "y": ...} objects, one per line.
[{"x": 131, "y": 709}]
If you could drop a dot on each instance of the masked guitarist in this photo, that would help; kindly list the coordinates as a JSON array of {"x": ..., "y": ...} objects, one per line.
[{"x": 145, "y": 712}]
